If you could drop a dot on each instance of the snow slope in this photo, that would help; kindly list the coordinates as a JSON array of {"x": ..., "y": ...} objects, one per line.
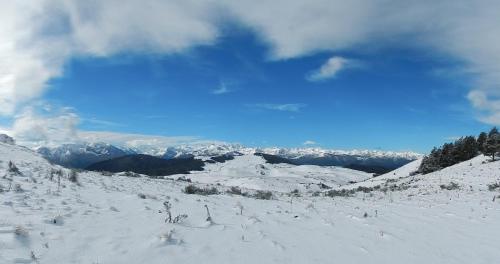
[
  {"x": 106, "y": 220},
  {"x": 252, "y": 172}
]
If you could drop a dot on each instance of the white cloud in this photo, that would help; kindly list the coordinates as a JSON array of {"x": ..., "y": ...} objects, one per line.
[
  {"x": 489, "y": 107},
  {"x": 331, "y": 68},
  {"x": 222, "y": 89},
  {"x": 309, "y": 143},
  {"x": 280, "y": 107},
  {"x": 467, "y": 31},
  {"x": 45, "y": 125},
  {"x": 151, "y": 144},
  {"x": 45, "y": 128},
  {"x": 38, "y": 37}
]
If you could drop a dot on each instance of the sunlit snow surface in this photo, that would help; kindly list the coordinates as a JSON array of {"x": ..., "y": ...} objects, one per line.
[{"x": 105, "y": 221}]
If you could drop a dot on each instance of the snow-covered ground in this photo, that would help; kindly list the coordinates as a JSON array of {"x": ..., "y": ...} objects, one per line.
[
  {"x": 252, "y": 172},
  {"x": 117, "y": 219}
]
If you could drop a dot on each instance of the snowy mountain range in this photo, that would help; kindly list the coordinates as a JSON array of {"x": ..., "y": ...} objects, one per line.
[{"x": 82, "y": 155}]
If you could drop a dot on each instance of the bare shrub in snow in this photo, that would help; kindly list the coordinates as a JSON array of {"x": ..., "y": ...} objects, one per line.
[
  {"x": 234, "y": 190},
  {"x": 324, "y": 186},
  {"x": 364, "y": 189},
  {"x": 263, "y": 195},
  {"x": 169, "y": 219},
  {"x": 34, "y": 258},
  {"x": 193, "y": 189},
  {"x": 13, "y": 169},
  {"x": 20, "y": 231},
  {"x": 394, "y": 187},
  {"x": 340, "y": 193},
  {"x": 493, "y": 186},
  {"x": 131, "y": 174},
  {"x": 450, "y": 186},
  {"x": 73, "y": 177},
  {"x": 183, "y": 178},
  {"x": 209, "y": 217},
  {"x": 53, "y": 173},
  {"x": 168, "y": 206},
  {"x": 58, "y": 173},
  {"x": 179, "y": 218},
  {"x": 106, "y": 173}
]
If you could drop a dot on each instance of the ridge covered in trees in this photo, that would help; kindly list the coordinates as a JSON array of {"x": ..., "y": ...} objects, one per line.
[{"x": 465, "y": 148}]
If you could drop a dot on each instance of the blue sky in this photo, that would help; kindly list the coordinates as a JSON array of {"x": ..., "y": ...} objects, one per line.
[
  {"x": 395, "y": 100},
  {"x": 335, "y": 74}
]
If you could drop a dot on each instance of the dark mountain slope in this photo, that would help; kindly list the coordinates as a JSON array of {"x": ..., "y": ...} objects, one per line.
[
  {"x": 149, "y": 165},
  {"x": 370, "y": 165}
]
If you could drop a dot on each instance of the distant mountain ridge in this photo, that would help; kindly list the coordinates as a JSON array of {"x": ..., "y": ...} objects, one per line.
[{"x": 84, "y": 154}]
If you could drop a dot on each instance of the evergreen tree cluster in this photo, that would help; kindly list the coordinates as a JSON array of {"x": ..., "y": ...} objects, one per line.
[{"x": 461, "y": 150}]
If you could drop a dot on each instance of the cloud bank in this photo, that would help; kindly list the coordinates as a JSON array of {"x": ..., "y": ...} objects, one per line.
[
  {"x": 45, "y": 127},
  {"x": 54, "y": 127},
  {"x": 38, "y": 37}
]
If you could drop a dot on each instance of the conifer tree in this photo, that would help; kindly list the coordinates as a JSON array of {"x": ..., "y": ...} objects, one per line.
[
  {"x": 492, "y": 145},
  {"x": 481, "y": 141},
  {"x": 468, "y": 148},
  {"x": 430, "y": 163}
]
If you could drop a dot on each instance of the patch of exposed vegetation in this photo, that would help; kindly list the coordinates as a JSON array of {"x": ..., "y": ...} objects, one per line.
[
  {"x": 236, "y": 191},
  {"x": 263, "y": 195},
  {"x": 494, "y": 186},
  {"x": 193, "y": 189},
  {"x": 450, "y": 186},
  {"x": 341, "y": 193},
  {"x": 184, "y": 179}
]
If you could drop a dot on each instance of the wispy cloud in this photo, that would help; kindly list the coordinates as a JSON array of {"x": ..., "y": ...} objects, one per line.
[
  {"x": 331, "y": 68},
  {"x": 222, "y": 89},
  {"x": 101, "y": 122},
  {"x": 280, "y": 107},
  {"x": 309, "y": 143}
]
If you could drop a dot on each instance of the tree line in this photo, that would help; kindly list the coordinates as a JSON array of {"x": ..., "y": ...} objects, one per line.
[{"x": 465, "y": 148}]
